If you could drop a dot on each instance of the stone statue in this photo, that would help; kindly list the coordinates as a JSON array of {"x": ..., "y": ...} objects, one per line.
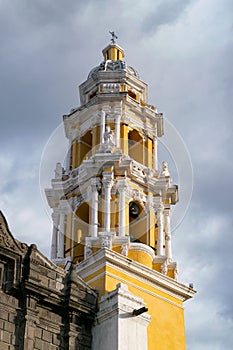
[
  {"x": 165, "y": 171},
  {"x": 108, "y": 136},
  {"x": 58, "y": 171}
]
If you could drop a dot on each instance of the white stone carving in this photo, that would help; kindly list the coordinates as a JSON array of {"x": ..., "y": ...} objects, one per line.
[
  {"x": 160, "y": 241},
  {"x": 125, "y": 249},
  {"x": 165, "y": 171},
  {"x": 108, "y": 136},
  {"x": 167, "y": 227},
  {"x": 111, "y": 87},
  {"x": 106, "y": 242},
  {"x": 87, "y": 251},
  {"x": 56, "y": 220},
  {"x": 107, "y": 183},
  {"x": 58, "y": 171},
  {"x": 121, "y": 187},
  {"x": 164, "y": 268}
]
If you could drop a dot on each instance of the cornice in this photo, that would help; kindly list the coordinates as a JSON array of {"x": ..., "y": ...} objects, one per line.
[{"x": 108, "y": 257}]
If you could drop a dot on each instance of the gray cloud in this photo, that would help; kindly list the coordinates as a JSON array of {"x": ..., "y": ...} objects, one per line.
[{"x": 166, "y": 12}]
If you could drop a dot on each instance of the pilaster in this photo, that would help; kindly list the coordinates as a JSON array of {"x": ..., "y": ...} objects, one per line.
[
  {"x": 167, "y": 227},
  {"x": 160, "y": 242},
  {"x": 107, "y": 182},
  {"x": 31, "y": 322},
  {"x": 117, "y": 325},
  {"x": 94, "y": 207},
  {"x": 56, "y": 220},
  {"x": 121, "y": 187}
]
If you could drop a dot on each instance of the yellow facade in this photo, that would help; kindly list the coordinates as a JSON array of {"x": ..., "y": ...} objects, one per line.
[{"x": 166, "y": 330}]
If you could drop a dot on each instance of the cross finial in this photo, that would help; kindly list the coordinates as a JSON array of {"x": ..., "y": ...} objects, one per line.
[{"x": 114, "y": 37}]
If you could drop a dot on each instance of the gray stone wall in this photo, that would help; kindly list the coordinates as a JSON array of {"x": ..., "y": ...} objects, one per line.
[{"x": 42, "y": 307}]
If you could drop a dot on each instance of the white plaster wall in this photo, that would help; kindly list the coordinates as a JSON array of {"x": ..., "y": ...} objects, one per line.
[{"x": 116, "y": 328}]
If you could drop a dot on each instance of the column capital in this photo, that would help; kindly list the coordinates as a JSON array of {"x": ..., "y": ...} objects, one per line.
[
  {"x": 94, "y": 183},
  {"x": 64, "y": 207},
  {"x": 167, "y": 211},
  {"x": 160, "y": 208},
  {"x": 55, "y": 214},
  {"x": 117, "y": 117},
  {"x": 121, "y": 184},
  {"x": 107, "y": 179}
]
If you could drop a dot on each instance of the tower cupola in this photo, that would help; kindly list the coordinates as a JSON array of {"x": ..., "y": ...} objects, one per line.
[{"x": 113, "y": 52}]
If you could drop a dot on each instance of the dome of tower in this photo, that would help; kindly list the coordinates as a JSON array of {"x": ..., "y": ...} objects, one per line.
[
  {"x": 113, "y": 66},
  {"x": 113, "y": 62}
]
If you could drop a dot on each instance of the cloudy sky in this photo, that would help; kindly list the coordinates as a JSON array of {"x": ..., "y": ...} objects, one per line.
[{"x": 183, "y": 49}]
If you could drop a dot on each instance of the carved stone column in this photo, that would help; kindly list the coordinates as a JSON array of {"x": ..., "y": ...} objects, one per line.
[
  {"x": 60, "y": 253},
  {"x": 167, "y": 226},
  {"x": 160, "y": 241},
  {"x": 94, "y": 208},
  {"x": 121, "y": 186},
  {"x": 117, "y": 130},
  {"x": 56, "y": 218},
  {"x": 150, "y": 217},
  {"x": 107, "y": 183},
  {"x": 102, "y": 126},
  {"x": 73, "y": 233},
  {"x": 155, "y": 156}
]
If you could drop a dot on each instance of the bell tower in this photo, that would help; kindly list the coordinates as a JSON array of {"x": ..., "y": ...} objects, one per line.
[{"x": 111, "y": 203}]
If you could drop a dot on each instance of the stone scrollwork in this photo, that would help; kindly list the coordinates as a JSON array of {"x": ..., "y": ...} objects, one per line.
[
  {"x": 88, "y": 251},
  {"x": 124, "y": 249},
  {"x": 106, "y": 242},
  {"x": 164, "y": 268},
  {"x": 5, "y": 239},
  {"x": 175, "y": 273},
  {"x": 138, "y": 196},
  {"x": 160, "y": 208},
  {"x": 150, "y": 205},
  {"x": 77, "y": 201}
]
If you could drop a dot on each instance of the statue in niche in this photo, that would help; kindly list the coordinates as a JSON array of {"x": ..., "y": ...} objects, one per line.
[
  {"x": 108, "y": 135},
  {"x": 108, "y": 139}
]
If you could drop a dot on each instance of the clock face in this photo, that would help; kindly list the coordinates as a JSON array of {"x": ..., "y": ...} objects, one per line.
[{"x": 134, "y": 210}]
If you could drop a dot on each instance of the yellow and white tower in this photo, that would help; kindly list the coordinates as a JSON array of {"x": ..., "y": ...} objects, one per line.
[{"x": 111, "y": 211}]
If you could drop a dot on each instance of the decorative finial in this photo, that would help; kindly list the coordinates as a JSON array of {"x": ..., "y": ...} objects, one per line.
[{"x": 114, "y": 37}]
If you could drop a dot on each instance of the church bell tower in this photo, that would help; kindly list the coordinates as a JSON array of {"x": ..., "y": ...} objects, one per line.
[{"x": 111, "y": 206}]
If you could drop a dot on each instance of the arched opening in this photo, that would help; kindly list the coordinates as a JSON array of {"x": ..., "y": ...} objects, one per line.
[
  {"x": 135, "y": 145},
  {"x": 137, "y": 223},
  {"x": 79, "y": 149},
  {"x": 85, "y": 145},
  {"x": 81, "y": 230}
]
